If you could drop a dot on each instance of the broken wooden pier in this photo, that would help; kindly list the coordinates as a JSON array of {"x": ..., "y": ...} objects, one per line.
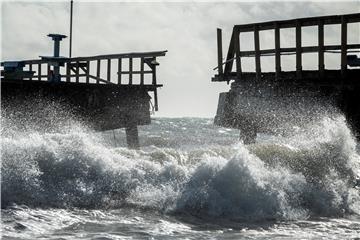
[
  {"x": 106, "y": 91},
  {"x": 259, "y": 101}
]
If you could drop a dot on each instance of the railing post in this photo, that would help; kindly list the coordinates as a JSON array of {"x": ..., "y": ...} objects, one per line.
[
  {"x": 39, "y": 72},
  {"x": 298, "y": 50},
  {"x": 156, "y": 105},
  {"x": 277, "y": 52},
  {"x": 142, "y": 71},
  {"x": 30, "y": 69},
  {"x": 257, "y": 52},
  {"x": 343, "y": 46},
  {"x": 68, "y": 72},
  {"x": 154, "y": 73},
  {"x": 87, "y": 71},
  {"x": 321, "y": 48},
  {"x": 108, "y": 69},
  {"x": 119, "y": 71},
  {"x": 237, "y": 53},
  {"x": 230, "y": 55},
  {"x": 130, "y": 70},
  {"x": 98, "y": 71},
  {"x": 77, "y": 66},
  {"x": 219, "y": 52},
  {"x": 49, "y": 72}
]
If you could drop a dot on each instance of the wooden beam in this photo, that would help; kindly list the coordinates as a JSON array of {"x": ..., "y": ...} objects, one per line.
[
  {"x": 312, "y": 21},
  {"x": 237, "y": 54},
  {"x": 343, "y": 46},
  {"x": 30, "y": 69},
  {"x": 154, "y": 75},
  {"x": 119, "y": 70},
  {"x": 307, "y": 49},
  {"x": 68, "y": 72},
  {"x": 219, "y": 52},
  {"x": 116, "y": 56},
  {"x": 137, "y": 72},
  {"x": 298, "y": 49},
  {"x": 77, "y": 68},
  {"x": 142, "y": 71},
  {"x": 98, "y": 70},
  {"x": 230, "y": 55},
  {"x": 108, "y": 70},
  {"x": 48, "y": 72},
  {"x": 257, "y": 53},
  {"x": 321, "y": 48},
  {"x": 102, "y": 57},
  {"x": 156, "y": 104},
  {"x": 98, "y": 79},
  {"x": 277, "y": 52},
  {"x": 130, "y": 70},
  {"x": 87, "y": 71}
]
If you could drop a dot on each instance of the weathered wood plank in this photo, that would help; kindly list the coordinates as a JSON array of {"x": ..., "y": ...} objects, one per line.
[
  {"x": 108, "y": 69},
  {"x": 343, "y": 46},
  {"x": 277, "y": 52},
  {"x": 142, "y": 71},
  {"x": 39, "y": 72},
  {"x": 49, "y": 72},
  {"x": 312, "y": 21},
  {"x": 156, "y": 104},
  {"x": 230, "y": 55},
  {"x": 307, "y": 49},
  {"x": 87, "y": 71},
  {"x": 237, "y": 54},
  {"x": 219, "y": 51},
  {"x": 122, "y": 55},
  {"x": 98, "y": 70},
  {"x": 154, "y": 74},
  {"x": 130, "y": 70},
  {"x": 137, "y": 72},
  {"x": 98, "y": 79},
  {"x": 119, "y": 70},
  {"x": 77, "y": 69},
  {"x": 298, "y": 49},
  {"x": 257, "y": 53},
  {"x": 321, "y": 48},
  {"x": 30, "y": 69},
  {"x": 68, "y": 72}
]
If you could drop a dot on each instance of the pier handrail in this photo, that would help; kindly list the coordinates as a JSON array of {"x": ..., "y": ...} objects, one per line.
[
  {"x": 235, "y": 54},
  {"x": 80, "y": 70}
]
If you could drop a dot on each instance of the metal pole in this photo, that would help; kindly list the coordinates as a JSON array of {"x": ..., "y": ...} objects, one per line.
[{"x": 71, "y": 17}]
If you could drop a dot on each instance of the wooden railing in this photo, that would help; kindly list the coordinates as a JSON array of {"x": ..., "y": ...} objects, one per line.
[
  {"x": 129, "y": 69},
  {"x": 89, "y": 69},
  {"x": 234, "y": 53}
]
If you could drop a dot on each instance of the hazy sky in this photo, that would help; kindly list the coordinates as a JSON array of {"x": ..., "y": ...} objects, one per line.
[{"x": 186, "y": 29}]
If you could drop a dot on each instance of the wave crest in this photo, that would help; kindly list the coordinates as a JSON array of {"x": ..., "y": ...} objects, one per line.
[{"x": 309, "y": 173}]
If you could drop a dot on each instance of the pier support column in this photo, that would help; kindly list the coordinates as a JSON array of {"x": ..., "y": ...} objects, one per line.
[{"x": 132, "y": 137}]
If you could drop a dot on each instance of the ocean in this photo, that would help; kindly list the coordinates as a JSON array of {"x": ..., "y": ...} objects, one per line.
[{"x": 190, "y": 180}]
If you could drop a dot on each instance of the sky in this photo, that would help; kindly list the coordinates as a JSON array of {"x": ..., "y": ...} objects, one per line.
[{"x": 186, "y": 29}]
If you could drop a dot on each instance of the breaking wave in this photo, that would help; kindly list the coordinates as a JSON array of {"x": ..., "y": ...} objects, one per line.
[{"x": 310, "y": 173}]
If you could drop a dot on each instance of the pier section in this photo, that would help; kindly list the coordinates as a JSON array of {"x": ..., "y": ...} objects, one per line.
[
  {"x": 261, "y": 101},
  {"x": 106, "y": 91}
]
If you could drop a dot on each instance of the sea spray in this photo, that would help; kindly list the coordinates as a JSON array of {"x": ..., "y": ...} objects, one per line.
[{"x": 307, "y": 173}]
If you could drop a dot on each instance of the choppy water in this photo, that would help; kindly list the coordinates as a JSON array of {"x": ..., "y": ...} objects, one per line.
[{"x": 190, "y": 180}]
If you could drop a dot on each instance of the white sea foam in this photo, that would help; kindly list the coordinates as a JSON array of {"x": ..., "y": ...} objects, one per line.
[{"x": 307, "y": 173}]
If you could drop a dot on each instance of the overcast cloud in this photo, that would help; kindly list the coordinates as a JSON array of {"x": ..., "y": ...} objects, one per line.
[{"x": 187, "y": 30}]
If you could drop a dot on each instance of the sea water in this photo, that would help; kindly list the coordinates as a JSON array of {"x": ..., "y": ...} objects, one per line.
[{"x": 190, "y": 180}]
